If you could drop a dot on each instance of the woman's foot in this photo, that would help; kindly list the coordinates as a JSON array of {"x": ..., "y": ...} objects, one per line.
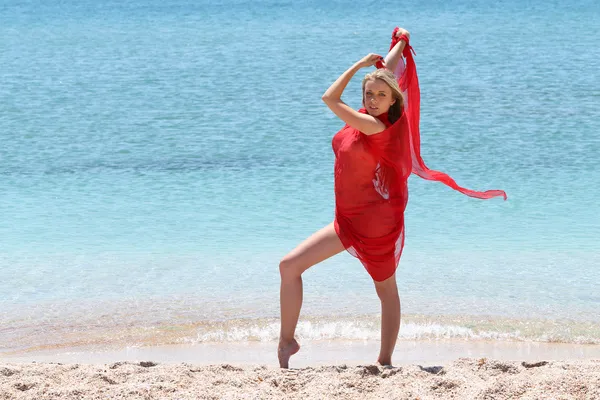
[
  {"x": 384, "y": 362},
  {"x": 285, "y": 350}
]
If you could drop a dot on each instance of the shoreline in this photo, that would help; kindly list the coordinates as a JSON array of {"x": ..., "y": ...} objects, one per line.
[
  {"x": 118, "y": 331},
  {"x": 315, "y": 352}
]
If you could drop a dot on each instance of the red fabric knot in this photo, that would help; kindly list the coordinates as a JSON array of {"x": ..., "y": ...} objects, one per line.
[{"x": 407, "y": 47}]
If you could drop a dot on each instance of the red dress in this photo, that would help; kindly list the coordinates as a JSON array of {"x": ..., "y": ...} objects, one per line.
[{"x": 371, "y": 173}]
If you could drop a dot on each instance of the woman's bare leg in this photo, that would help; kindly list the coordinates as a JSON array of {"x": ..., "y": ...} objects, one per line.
[
  {"x": 318, "y": 247},
  {"x": 390, "y": 318}
]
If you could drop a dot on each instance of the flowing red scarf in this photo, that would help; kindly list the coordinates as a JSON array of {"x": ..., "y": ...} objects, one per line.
[{"x": 409, "y": 85}]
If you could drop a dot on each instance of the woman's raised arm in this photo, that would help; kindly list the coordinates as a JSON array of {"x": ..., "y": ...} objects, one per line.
[
  {"x": 365, "y": 123},
  {"x": 395, "y": 54}
]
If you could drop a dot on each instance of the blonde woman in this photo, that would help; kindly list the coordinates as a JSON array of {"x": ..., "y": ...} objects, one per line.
[{"x": 375, "y": 153}]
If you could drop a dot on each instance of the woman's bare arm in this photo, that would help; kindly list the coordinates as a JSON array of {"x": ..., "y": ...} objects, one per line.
[
  {"x": 365, "y": 123},
  {"x": 393, "y": 57}
]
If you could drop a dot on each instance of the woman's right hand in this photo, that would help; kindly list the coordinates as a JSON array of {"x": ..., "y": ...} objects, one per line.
[{"x": 369, "y": 59}]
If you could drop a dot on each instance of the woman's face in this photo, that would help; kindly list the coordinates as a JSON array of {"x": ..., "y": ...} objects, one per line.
[{"x": 377, "y": 97}]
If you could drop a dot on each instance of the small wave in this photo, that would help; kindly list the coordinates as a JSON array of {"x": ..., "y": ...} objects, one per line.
[{"x": 416, "y": 328}]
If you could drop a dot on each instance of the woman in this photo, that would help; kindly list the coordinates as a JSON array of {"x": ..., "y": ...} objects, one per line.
[{"x": 375, "y": 153}]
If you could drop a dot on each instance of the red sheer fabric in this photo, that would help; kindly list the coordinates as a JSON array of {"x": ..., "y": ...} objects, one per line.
[
  {"x": 409, "y": 84},
  {"x": 371, "y": 174}
]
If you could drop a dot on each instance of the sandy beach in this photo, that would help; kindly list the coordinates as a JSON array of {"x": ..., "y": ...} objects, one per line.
[
  {"x": 160, "y": 159},
  {"x": 322, "y": 370},
  {"x": 464, "y": 378}
]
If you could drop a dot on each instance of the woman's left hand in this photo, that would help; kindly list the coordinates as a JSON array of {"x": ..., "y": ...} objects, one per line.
[
  {"x": 402, "y": 31},
  {"x": 369, "y": 59}
]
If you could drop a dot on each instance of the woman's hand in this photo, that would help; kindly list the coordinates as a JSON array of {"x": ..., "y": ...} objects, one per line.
[
  {"x": 402, "y": 31},
  {"x": 368, "y": 60}
]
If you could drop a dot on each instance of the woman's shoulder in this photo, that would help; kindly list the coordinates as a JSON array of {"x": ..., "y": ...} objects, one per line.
[{"x": 392, "y": 130}]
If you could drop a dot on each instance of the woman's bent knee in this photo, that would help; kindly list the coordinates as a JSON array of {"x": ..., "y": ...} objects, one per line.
[{"x": 316, "y": 248}]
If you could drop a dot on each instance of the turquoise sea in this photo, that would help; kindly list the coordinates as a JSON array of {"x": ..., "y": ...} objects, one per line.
[{"x": 158, "y": 159}]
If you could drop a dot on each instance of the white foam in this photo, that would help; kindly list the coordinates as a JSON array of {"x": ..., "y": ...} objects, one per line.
[{"x": 366, "y": 328}]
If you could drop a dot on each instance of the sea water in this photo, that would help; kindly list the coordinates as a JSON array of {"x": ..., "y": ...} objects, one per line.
[{"x": 158, "y": 159}]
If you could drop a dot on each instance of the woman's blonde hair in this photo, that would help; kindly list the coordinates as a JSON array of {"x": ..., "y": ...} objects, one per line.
[{"x": 387, "y": 76}]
